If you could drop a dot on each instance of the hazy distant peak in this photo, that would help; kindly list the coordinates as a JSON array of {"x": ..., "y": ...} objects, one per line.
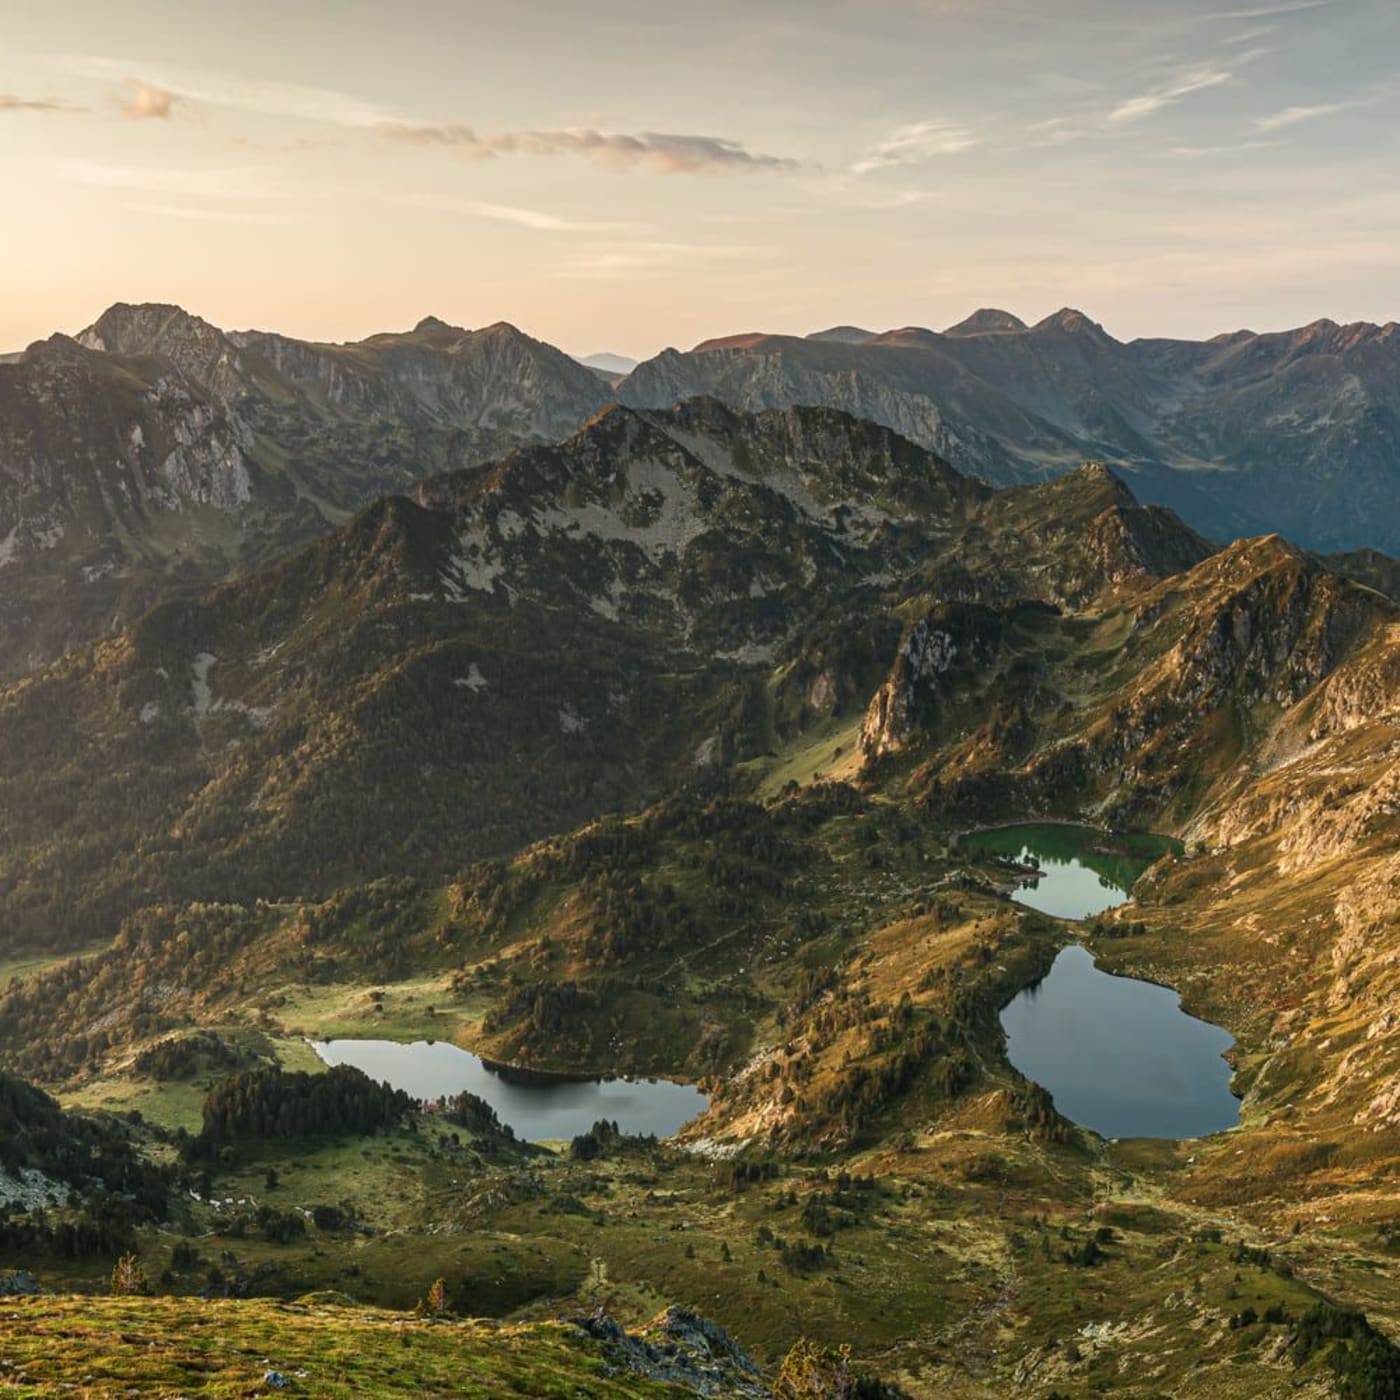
[
  {"x": 608, "y": 363},
  {"x": 988, "y": 320},
  {"x": 745, "y": 340},
  {"x": 431, "y": 324},
  {"x": 1070, "y": 321},
  {"x": 843, "y": 335}
]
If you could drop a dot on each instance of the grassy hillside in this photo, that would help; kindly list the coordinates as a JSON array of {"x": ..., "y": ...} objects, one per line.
[{"x": 102, "y": 1347}]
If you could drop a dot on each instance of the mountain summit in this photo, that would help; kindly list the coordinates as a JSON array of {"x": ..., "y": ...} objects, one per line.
[{"x": 987, "y": 321}]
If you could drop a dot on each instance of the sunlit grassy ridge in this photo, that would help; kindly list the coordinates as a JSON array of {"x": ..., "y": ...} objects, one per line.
[{"x": 103, "y": 1347}]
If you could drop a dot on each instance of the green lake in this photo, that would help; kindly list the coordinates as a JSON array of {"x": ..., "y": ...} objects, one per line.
[{"x": 1083, "y": 870}]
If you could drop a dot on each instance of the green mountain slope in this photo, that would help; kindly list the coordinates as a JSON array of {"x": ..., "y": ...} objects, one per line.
[
  {"x": 651, "y": 751},
  {"x": 155, "y": 453}
]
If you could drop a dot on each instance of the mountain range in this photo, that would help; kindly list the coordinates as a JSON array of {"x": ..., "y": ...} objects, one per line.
[
  {"x": 154, "y": 453},
  {"x": 651, "y": 749},
  {"x": 1294, "y": 432}
]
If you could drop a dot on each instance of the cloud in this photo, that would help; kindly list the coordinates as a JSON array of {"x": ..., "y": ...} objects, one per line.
[
  {"x": 150, "y": 102},
  {"x": 271, "y": 99},
  {"x": 536, "y": 219},
  {"x": 1289, "y": 7},
  {"x": 1147, "y": 103},
  {"x": 667, "y": 152},
  {"x": 207, "y": 182},
  {"x": 1057, "y": 131},
  {"x": 1225, "y": 149},
  {"x": 10, "y": 103},
  {"x": 222, "y": 215},
  {"x": 652, "y": 258},
  {"x": 914, "y": 144},
  {"x": 896, "y": 199},
  {"x": 1291, "y": 116}
]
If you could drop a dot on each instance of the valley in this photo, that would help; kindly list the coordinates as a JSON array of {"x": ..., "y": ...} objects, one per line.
[{"x": 722, "y": 749}]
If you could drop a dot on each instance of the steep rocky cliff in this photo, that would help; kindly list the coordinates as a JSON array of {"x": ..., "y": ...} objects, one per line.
[
  {"x": 1296, "y": 432},
  {"x": 155, "y": 452}
]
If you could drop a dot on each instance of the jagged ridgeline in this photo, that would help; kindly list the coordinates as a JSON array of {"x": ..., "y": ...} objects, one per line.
[
  {"x": 1243, "y": 433},
  {"x": 571, "y": 630},
  {"x": 651, "y": 751},
  {"x": 154, "y": 453},
  {"x": 656, "y": 602}
]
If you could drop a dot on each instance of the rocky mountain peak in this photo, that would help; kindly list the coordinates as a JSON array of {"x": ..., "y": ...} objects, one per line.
[
  {"x": 843, "y": 335},
  {"x": 504, "y": 330},
  {"x": 989, "y": 320},
  {"x": 149, "y": 328},
  {"x": 199, "y": 350},
  {"x": 1068, "y": 321},
  {"x": 430, "y": 324}
]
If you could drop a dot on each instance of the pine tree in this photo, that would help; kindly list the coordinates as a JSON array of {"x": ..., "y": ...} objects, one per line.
[{"x": 129, "y": 1278}]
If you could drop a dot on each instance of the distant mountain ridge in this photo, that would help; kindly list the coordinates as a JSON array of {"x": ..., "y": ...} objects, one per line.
[
  {"x": 571, "y": 629},
  {"x": 1295, "y": 431},
  {"x": 154, "y": 452}
]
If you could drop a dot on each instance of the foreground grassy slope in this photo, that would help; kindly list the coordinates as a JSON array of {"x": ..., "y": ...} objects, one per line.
[{"x": 95, "y": 1347}]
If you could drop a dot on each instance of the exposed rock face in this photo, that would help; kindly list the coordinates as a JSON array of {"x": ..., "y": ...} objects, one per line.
[
  {"x": 1297, "y": 432},
  {"x": 681, "y": 1348},
  {"x": 1167, "y": 687},
  {"x": 954, "y": 637},
  {"x": 724, "y": 528},
  {"x": 155, "y": 451},
  {"x": 779, "y": 371}
]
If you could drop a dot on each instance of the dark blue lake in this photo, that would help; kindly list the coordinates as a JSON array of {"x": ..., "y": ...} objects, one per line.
[
  {"x": 536, "y": 1106},
  {"x": 1119, "y": 1055}
]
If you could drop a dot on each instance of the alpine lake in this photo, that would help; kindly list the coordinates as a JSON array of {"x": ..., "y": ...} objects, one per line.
[
  {"x": 1117, "y": 1054},
  {"x": 536, "y": 1106}
]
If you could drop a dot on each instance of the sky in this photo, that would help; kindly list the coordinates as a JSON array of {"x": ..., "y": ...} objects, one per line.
[{"x": 625, "y": 175}]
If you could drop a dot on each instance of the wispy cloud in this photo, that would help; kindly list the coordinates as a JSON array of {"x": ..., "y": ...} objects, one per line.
[
  {"x": 10, "y": 103},
  {"x": 895, "y": 199},
  {"x": 668, "y": 152},
  {"x": 654, "y": 258},
  {"x": 1287, "y": 7},
  {"x": 214, "y": 89},
  {"x": 1291, "y": 116},
  {"x": 1058, "y": 131},
  {"x": 537, "y": 219},
  {"x": 914, "y": 144},
  {"x": 149, "y": 102},
  {"x": 242, "y": 182},
  {"x": 1224, "y": 149},
  {"x": 263, "y": 218},
  {"x": 1166, "y": 95}
]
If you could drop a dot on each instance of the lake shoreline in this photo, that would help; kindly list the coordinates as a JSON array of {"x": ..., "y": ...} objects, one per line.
[
  {"x": 1119, "y": 1055},
  {"x": 536, "y": 1105}
]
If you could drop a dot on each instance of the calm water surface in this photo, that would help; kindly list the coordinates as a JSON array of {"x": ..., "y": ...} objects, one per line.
[
  {"x": 1119, "y": 1055},
  {"x": 1083, "y": 870},
  {"x": 535, "y": 1106}
]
